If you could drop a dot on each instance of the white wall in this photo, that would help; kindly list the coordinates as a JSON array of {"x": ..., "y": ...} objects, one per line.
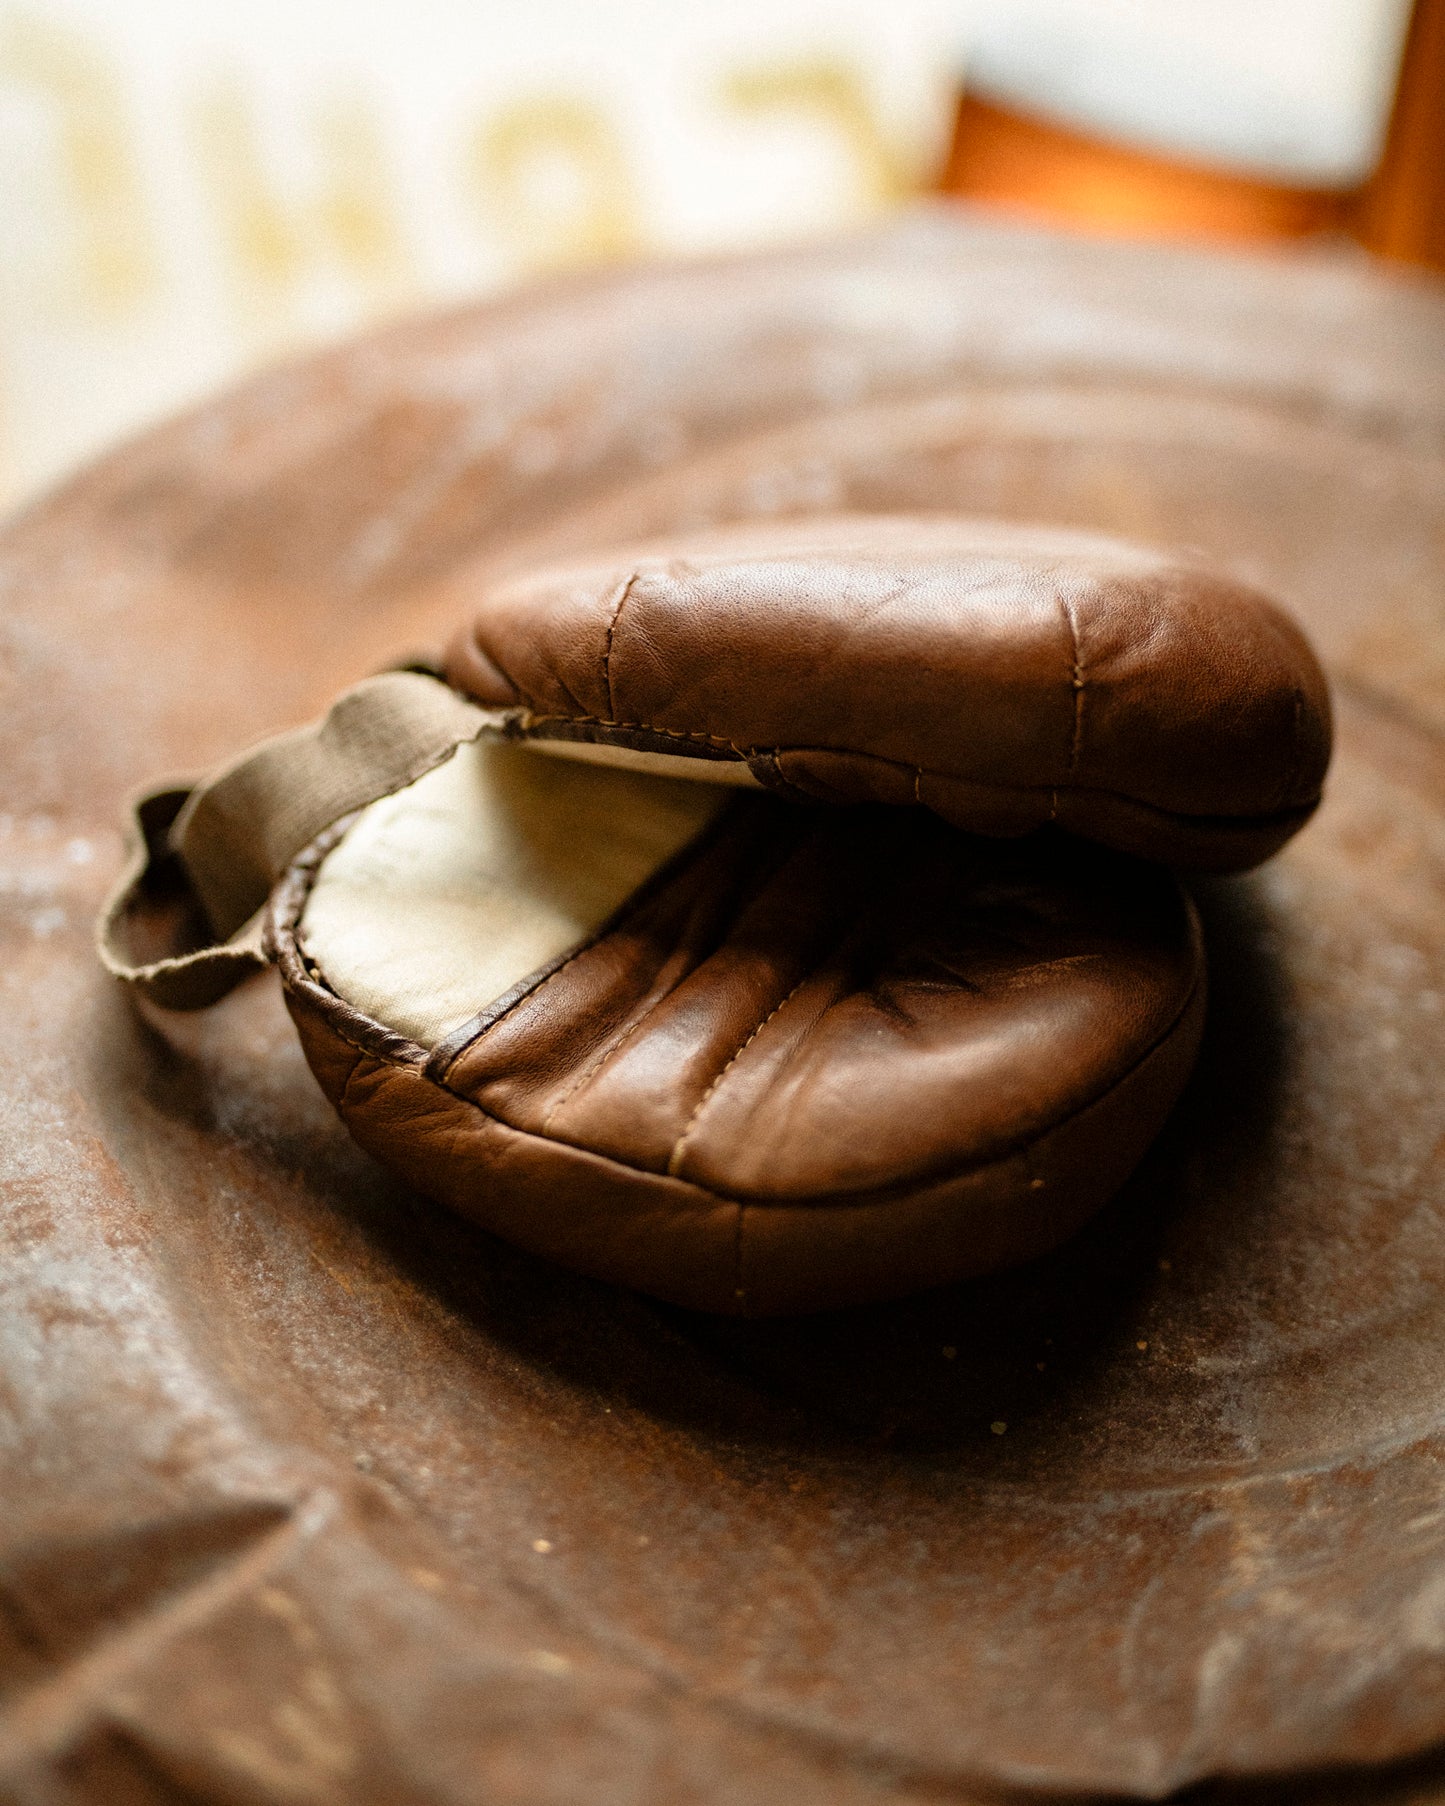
[
  {"x": 190, "y": 186},
  {"x": 1297, "y": 90}
]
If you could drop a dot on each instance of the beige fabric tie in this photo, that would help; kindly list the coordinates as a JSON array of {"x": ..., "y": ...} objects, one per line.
[{"x": 208, "y": 857}]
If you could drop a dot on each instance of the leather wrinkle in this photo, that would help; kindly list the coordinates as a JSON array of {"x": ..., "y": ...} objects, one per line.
[
  {"x": 855, "y": 930},
  {"x": 464, "y": 1038},
  {"x": 566, "y": 689},
  {"x": 863, "y": 914},
  {"x": 730, "y": 821},
  {"x": 496, "y": 660},
  {"x": 840, "y": 1200},
  {"x": 831, "y": 954},
  {"x": 780, "y": 783},
  {"x": 675, "y": 1158},
  {"x": 623, "y": 592},
  {"x": 738, "y": 612},
  {"x": 344, "y": 1097},
  {"x": 759, "y": 880},
  {"x": 642, "y": 727},
  {"x": 612, "y": 1048},
  {"x": 749, "y": 754}
]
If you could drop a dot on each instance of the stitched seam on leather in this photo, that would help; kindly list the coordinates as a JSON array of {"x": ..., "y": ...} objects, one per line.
[
  {"x": 485, "y": 652},
  {"x": 601, "y": 1060},
  {"x": 329, "y": 1003},
  {"x": 623, "y": 593},
  {"x": 844, "y": 1200},
  {"x": 644, "y": 727},
  {"x": 1077, "y": 681},
  {"x": 638, "y": 900},
  {"x": 322, "y": 986},
  {"x": 809, "y": 786},
  {"x": 675, "y": 1158},
  {"x": 342, "y": 1100},
  {"x": 1178, "y": 817},
  {"x": 556, "y": 972}
]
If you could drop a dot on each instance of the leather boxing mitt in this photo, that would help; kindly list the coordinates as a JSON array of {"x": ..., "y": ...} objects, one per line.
[
  {"x": 1003, "y": 676},
  {"x": 660, "y": 1010}
]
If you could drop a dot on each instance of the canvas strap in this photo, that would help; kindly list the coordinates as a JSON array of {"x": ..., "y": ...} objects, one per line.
[{"x": 184, "y": 924}]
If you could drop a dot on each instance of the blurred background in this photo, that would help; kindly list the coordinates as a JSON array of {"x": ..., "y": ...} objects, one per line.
[{"x": 190, "y": 188}]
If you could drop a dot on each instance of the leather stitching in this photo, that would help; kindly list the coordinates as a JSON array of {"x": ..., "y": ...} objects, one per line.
[
  {"x": 623, "y": 593},
  {"x": 326, "y": 1003},
  {"x": 615, "y": 1046},
  {"x": 344, "y": 1099},
  {"x": 1021, "y": 1154},
  {"x": 591, "y": 1071},
  {"x": 322, "y": 988},
  {"x": 629, "y": 908},
  {"x": 644, "y": 727},
  {"x": 807, "y": 785},
  {"x": 1156, "y": 811},
  {"x": 675, "y": 1158},
  {"x": 556, "y": 972}
]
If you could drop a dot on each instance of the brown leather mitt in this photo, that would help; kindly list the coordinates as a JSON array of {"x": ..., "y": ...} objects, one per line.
[
  {"x": 739, "y": 1050},
  {"x": 1004, "y": 676},
  {"x": 824, "y": 1056}
]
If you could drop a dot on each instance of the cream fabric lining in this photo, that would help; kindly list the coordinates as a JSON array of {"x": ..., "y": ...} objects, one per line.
[
  {"x": 444, "y": 896},
  {"x": 733, "y": 772}
]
